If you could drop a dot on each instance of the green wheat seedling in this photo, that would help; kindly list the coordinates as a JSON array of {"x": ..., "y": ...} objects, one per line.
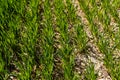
[
  {"x": 65, "y": 51},
  {"x": 23, "y": 26},
  {"x": 47, "y": 42},
  {"x": 90, "y": 73},
  {"x": 105, "y": 20}
]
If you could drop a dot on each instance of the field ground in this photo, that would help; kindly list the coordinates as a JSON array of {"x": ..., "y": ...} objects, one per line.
[{"x": 60, "y": 40}]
